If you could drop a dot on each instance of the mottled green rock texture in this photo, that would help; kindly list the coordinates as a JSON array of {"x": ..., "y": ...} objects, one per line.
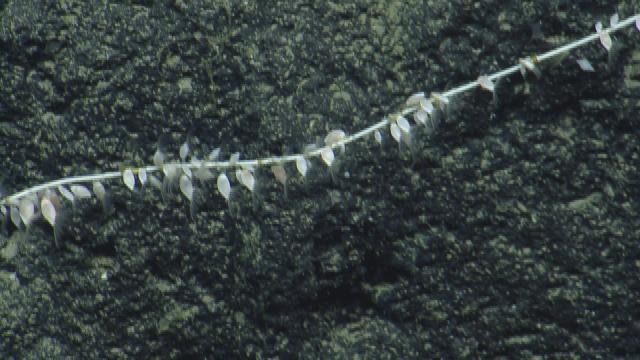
[{"x": 512, "y": 232}]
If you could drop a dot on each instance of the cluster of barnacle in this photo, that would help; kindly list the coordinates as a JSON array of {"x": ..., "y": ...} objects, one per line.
[{"x": 46, "y": 200}]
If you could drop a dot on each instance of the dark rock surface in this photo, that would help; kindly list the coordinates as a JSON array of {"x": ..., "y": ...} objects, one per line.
[{"x": 513, "y": 232}]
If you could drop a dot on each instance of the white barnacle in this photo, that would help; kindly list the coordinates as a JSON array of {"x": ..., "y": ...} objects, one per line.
[
  {"x": 80, "y": 191},
  {"x": 403, "y": 124},
  {"x": 186, "y": 187},
  {"x": 155, "y": 182},
  {"x": 234, "y": 158},
  {"x": 440, "y": 100},
  {"x": 129, "y": 179},
  {"x": 27, "y": 211},
  {"x": 335, "y": 137},
  {"x": 415, "y": 99},
  {"x": 377, "y": 137},
  {"x": 203, "y": 173},
  {"x": 184, "y": 151},
  {"x": 486, "y": 83},
  {"x": 186, "y": 169},
  {"x": 405, "y": 128},
  {"x": 99, "y": 190},
  {"x": 301, "y": 166},
  {"x": 395, "y": 131},
  {"x": 214, "y": 154},
  {"x": 279, "y": 173},
  {"x": 48, "y": 211},
  {"x": 142, "y": 176},
  {"x": 614, "y": 20},
  {"x": 421, "y": 117},
  {"x": 427, "y": 106},
  {"x": 14, "y": 214},
  {"x": 66, "y": 193},
  {"x": 224, "y": 187},
  {"x": 327, "y": 155},
  {"x": 170, "y": 171},
  {"x": 528, "y": 64},
  {"x": 605, "y": 38},
  {"x": 585, "y": 65},
  {"x": 247, "y": 179},
  {"x": 103, "y": 197},
  {"x": 158, "y": 158}
]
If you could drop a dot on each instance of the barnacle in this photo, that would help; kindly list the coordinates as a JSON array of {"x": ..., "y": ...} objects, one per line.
[{"x": 129, "y": 179}]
